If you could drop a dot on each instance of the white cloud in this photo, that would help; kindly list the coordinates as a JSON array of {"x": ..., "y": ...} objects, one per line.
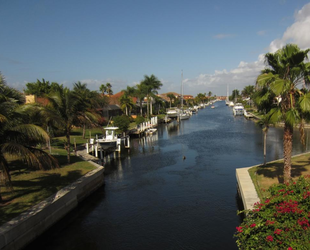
[
  {"x": 247, "y": 72},
  {"x": 298, "y": 33}
]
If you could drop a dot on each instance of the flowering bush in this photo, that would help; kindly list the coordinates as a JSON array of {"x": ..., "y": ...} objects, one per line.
[{"x": 282, "y": 221}]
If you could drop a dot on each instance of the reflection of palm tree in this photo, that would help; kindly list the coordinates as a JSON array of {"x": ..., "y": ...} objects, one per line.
[
  {"x": 286, "y": 70},
  {"x": 17, "y": 138}
]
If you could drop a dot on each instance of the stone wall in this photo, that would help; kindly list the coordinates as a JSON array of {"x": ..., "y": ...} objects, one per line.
[{"x": 20, "y": 231}]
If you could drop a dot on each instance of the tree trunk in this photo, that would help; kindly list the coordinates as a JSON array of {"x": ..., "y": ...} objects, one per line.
[
  {"x": 147, "y": 107},
  {"x": 68, "y": 146},
  {"x": 126, "y": 110},
  {"x": 287, "y": 151},
  {"x": 151, "y": 107},
  {"x": 141, "y": 111},
  {"x": 84, "y": 130},
  {"x": 265, "y": 146}
]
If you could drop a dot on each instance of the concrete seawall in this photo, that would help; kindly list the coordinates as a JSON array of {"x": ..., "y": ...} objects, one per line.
[
  {"x": 26, "y": 227},
  {"x": 246, "y": 188}
]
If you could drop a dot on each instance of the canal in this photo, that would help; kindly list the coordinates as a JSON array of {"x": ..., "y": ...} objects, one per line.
[{"x": 153, "y": 198}]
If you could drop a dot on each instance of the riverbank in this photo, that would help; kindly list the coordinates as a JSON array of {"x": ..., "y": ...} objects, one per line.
[
  {"x": 26, "y": 227},
  {"x": 253, "y": 182}
]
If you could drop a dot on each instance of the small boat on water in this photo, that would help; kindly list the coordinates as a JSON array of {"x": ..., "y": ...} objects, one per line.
[
  {"x": 172, "y": 113},
  {"x": 110, "y": 138},
  {"x": 184, "y": 115},
  {"x": 238, "y": 109},
  {"x": 212, "y": 107}
]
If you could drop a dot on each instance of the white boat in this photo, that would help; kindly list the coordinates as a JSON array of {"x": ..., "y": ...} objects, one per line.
[
  {"x": 212, "y": 107},
  {"x": 172, "y": 113},
  {"x": 110, "y": 138},
  {"x": 231, "y": 104},
  {"x": 238, "y": 109},
  {"x": 184, "y": 115}
]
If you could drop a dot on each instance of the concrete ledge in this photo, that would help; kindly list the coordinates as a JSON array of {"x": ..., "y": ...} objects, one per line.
[
  {"x": 26, "y": 227},
  {"x": 246, "y": 187}
]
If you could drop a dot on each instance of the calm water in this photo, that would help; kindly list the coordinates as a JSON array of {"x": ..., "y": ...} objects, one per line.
[{"x": 153, "y": 199}]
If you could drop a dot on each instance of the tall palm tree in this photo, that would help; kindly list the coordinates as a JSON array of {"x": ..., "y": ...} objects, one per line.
[
  {"x": 103, "y": 88},
  {"x": 18, "y": 139},
  {"x": 265, "y": 123},
  {"x": 287, "y": 69},
  {"x": 126, "y": 103},
  {"x": 141, "y": 92},
  {"x": 66, "y": 110},
  {"x": 171, "y": 97},
  {"x": 109, "y": 89},
  {"x": 151, "y": 84},
  {"x": 87, "y": 101}
]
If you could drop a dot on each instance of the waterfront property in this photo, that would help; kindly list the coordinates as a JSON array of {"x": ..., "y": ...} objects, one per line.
[{"x": 156, "y": 199}]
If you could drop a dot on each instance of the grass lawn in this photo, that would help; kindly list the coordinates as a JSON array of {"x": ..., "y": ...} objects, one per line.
[
  {"x": 32, "y": 186},
  {"x": 265, "y": 176}
]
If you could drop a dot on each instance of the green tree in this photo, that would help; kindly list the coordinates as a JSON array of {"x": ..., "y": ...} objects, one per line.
[
  {"x": 122, "y": 122},
  {"x": 87, "y": 105},
  {"x": 141, "y": 92},
  {"x": 109, "y": 89},
  {"x": 41, "y": 88},
  {"x": 151, "y": 85},
  {"x": 126, "y": 103},
  {"x": 235, "y": 94},
  {"x": 18, "y": 139},
  {"x": 65, "y": 110},
  {"x": 286, "y": 70},
  {"x": 103, "y": 88},
  {"x": 171, "y": 97},
  {"x": 248, "y": 91},
  {"x": 265, "y": 123}
]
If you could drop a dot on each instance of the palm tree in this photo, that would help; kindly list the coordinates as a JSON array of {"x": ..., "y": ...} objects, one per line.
[
  {"x": 66, "y": 110},
  {"x": 103, "y": 88},
  {"x": 209, "y": 94},
  {"x": 141, "y": 92},
  {"x": 18, "y": 139},
  {"x": 87, "y": 101},
  {"x": 109, "y": 89},
  {"x": 126, "y": 103},
  {"x": 264, "y": 123},
  {"x": 287, "y": 69},
  {"x": 171, "y": 97},
  {"x": 151, "y": 84}
]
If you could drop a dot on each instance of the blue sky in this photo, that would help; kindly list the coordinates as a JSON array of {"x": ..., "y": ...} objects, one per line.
[{"x": 215, "y": 43}]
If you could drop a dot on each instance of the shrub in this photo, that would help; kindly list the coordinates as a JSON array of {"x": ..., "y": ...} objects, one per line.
[
  {"x": 139, "y": 120},
  {"x": 282, "y": 221},
  {"x": 122, "y": 122}
]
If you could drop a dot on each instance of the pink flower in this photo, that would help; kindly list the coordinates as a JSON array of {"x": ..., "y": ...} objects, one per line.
[
  {"x": 269, "y": 238},
  {"x": 253, "y": 225},
  {"x": 239, "y": 229}
]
